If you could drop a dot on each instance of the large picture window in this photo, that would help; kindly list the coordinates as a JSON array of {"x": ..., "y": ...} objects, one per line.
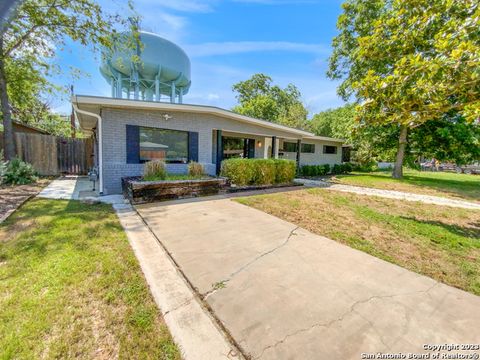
[{"x": 170, "y": 146}]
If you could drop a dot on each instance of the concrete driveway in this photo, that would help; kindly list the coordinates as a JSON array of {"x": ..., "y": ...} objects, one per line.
[{"x": 282, "y": 292}]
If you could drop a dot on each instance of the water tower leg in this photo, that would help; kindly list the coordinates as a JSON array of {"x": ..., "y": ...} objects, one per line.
[
  {"x": 119, "y": 86},
  {"x": 157, "y": 89},
  {"x": 180, "y": 96},
  {"x": 172, "y": 96},
  {"x": 113, "y": 87}
]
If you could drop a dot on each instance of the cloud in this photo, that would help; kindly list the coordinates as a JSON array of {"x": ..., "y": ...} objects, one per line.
[{"x": 226, "y": 48}]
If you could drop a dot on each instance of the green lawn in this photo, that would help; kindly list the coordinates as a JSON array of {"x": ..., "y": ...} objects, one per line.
[
  {"x": 71, "y": 287},
  {"x": 460, "y": 186},
  {"x": 439, "y": 242}
]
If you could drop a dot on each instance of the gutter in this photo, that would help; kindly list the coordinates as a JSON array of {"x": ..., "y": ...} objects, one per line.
[{"x": 100, "y": 143}]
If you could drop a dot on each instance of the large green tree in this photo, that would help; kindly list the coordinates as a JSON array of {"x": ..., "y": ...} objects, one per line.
[
  {"x": 260, "y": 99},
  {"x": 450, "y": 138},
  {"x": 28, "y": 43},
  {"x": 406, "y": 62}
]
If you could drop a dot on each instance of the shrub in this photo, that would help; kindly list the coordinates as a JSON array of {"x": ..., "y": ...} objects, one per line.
[
  {"x": 315, "y": 170},
  {"x": 342, "y": 168},
  {"x": 154, "y": 170},
  {"x": 326, "y": 169},
  {"x": 239, "y": 171},
  {"x": 244, "y": 172},
  {"x": 285, "y": 171},
  {"x": 264, "y": 171},
  {"x": 195, "y": 169},
  {"x": 337, "y": 169},
  {"x": 347, "y": 168},
  {"x": 18, "y": 172}
]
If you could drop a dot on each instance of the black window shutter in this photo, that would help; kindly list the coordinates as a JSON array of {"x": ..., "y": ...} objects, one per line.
[
  {"x": 193, "y": 146},
  {"x": 133, "y": 144}
]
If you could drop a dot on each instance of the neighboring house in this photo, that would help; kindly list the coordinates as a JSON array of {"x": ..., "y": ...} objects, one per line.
[{"x": 129, "y": 133}]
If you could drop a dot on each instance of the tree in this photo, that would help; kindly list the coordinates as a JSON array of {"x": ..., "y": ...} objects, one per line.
[
  {"x": 407, "y": 62},
  {"x": 450, "y": 138},
  {"x": 29, "y": 41},
  {"x": 370, "y": 143},
  {"x": 260, "y": 99},
  {"x": 337, "y": 123}
]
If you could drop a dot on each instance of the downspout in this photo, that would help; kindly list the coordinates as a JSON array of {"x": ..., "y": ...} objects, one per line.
[{"x": 100, "y": 144}]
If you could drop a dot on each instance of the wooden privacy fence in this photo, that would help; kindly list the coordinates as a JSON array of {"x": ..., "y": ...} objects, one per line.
[{"x": 52, "y": 155}]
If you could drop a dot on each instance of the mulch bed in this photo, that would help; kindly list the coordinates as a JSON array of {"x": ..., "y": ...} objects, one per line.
[{"x": 12, "y": 197}]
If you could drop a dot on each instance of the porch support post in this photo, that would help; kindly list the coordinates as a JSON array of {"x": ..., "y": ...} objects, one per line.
[
  {"x": 274, "y": 147},
  {"x": 299, "y": 145},
  {"x": 219, "y": 151}
]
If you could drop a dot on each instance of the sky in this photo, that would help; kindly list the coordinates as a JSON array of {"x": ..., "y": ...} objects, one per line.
[{"x": 228, "y": 41}]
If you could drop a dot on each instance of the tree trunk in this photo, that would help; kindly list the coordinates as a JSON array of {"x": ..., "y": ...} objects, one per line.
[
  {"x": 9, "y": 147},
  {"x": 402, "y": 143}
]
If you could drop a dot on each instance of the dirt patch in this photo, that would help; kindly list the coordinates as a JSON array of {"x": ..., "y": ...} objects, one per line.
[{"x": 11, "y": 197}]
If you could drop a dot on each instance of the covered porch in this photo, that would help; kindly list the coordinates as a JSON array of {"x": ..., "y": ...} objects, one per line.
[{"x": 231, "y": 144}]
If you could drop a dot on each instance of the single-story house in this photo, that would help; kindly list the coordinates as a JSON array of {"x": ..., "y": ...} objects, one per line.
[{"x": 129, "y": 133}]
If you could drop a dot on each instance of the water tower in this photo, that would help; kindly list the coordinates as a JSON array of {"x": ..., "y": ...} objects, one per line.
[{"x": 163, "y": 70}]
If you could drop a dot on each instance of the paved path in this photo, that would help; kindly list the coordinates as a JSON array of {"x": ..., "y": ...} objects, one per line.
[
  {"x": 285, "y": 293},
  {"x": 391, "y": 194},
  {"x": 66, "y": 188}
]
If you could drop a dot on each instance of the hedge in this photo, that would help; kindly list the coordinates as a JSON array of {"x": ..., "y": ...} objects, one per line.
[
  {"x": 243, "y": 172},
  {"x": 315, "y": 170},
  {"x": 321, "y": 170}
]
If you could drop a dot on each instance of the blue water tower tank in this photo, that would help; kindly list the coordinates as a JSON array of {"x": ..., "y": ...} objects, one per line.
[{"x": 163, "y": 70}]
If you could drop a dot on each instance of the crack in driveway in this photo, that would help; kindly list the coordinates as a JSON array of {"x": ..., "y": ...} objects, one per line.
[
  {"x": 221, "y": 284},
  {"x": 342, "y": 317}
]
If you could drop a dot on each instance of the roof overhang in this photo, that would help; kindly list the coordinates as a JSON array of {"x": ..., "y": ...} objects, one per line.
[
  {"x": 324, "y": 138},
  {"x": 94, "y": 105}
]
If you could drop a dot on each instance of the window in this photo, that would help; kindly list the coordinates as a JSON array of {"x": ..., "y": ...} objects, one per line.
[
  {"x": 308, "y": 148},
  {"x": 328, "y": 149},
  {"x": 289, "y": 147},
  {"x": 233, "y": 147},
  {"x": 170, "y": 146}
]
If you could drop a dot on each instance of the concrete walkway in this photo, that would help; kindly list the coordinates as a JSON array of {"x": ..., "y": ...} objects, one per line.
[
  {"x": 66, "y": 188},
  {"x": 390, "y": 194},
  {"x": 284, "y": 293}
]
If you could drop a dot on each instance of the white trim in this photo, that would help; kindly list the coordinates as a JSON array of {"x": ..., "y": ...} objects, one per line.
[
  {"x": 324, "y": 138},
  {"x": 100, "y": 144},
  {"x": 199, "y": 109}
]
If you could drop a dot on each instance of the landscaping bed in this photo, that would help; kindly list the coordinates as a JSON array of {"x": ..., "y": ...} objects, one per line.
[
  {"x": 139, "y": 191},
  {"x": 235, "y": 189},
  {"x": 13, "y": 196}
]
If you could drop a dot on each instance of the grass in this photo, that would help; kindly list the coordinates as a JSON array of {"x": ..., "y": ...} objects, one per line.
[
  {"x": 439, "y": 242},
  {"x": 71, "y": 287},
  {"x": 446, "y": 184}
]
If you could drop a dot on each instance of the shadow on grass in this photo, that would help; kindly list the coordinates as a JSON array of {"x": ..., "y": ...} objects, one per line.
[{"x": 472, "y": 231}]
